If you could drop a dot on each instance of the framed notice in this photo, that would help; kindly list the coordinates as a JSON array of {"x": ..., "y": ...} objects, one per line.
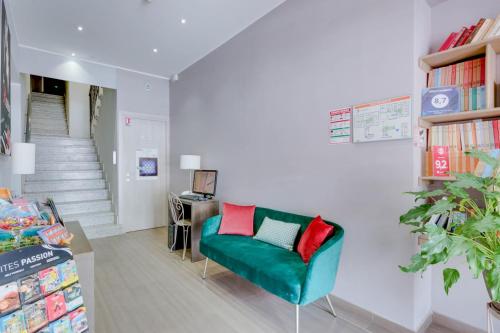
[
  {"x": 146, "y": 164},
  {"x": 389, "y": 119},
  {"x": 340, "y": 126}
]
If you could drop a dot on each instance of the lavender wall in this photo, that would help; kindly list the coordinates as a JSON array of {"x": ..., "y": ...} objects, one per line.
[{"x": 257, "y": 108}]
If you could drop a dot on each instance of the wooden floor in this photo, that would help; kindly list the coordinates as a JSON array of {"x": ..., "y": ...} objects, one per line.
[{"x": 142, "y": 287}]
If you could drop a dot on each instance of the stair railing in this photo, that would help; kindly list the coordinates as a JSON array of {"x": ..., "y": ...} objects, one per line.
[{"x": 27, "y": 133}]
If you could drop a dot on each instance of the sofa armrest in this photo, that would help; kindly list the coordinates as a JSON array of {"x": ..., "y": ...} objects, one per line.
[
  {"x": 211, "y": 226},
  {"x": 322, "y": 270}
]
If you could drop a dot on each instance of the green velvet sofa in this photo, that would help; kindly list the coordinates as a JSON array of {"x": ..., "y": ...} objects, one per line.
[{"x": 279, "y": 271}]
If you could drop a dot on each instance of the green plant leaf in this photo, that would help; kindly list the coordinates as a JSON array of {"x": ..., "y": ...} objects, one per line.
[
  {"x": 493, "y": 283},
  {"x": 414, "y": 214},
  {"x": 441, "y": 207},
  {"x": 485, "y": 157},
  {"x": 486, "y": 224},
  {"x": 450, "y": 277},
  {"x": 438, "y": 240},
  {"x": 457, "y": 191},
  {"x": 427, "y": 194},
  {"x": 467, "y": 180},
  {"x": 418, "y": 263},
  {"x": 476, "y": 260},
  {"x": 458, "y": 247}
]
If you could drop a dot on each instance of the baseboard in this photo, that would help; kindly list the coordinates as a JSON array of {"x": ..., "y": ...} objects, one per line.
[
  {"x": 454, "y": 324},
  {"x": 393, "y": 327}
]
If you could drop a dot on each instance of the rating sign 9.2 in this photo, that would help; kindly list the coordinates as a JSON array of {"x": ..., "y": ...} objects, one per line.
[{"x": 440, "y": 161}]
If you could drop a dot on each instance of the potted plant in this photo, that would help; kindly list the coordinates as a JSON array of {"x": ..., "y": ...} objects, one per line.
[{"x": 476, "y": 235}]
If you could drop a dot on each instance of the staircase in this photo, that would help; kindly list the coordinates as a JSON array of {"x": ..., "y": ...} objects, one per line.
[{"x": 68, "y": 170}]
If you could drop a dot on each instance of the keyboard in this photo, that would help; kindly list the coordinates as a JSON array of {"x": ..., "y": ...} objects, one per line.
[{"x": 192, "y": 197}]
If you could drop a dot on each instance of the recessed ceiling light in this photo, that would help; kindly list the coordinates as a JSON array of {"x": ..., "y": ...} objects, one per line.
[
  {"x": 73, "y": 54},
  {"x": 80, "y": 28},
  {"x": 155, "y": 50},
  {"x": 183, "y": 21}
]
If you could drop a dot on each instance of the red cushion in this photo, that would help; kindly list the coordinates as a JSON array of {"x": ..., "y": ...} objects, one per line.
[
  {"x": 237, "y": 220},
  {"x": 316, "y": 233}
]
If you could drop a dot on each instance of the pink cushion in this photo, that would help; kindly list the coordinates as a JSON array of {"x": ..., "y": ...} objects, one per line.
[{"x": 237, "y": 220}]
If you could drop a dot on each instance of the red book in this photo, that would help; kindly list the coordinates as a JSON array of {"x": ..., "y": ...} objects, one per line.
[
  {"x": 466, "y": 35},
  {"x": 459, "y": 37},
  {"x": 454, "y": 41},
  {"x": 476, "y": 29},
  {"x": 453, "y": 75},
  {"x": 495, "y": 133},
  {"x": 483, "y": 71},
  {"x": 447, "y": 42}
]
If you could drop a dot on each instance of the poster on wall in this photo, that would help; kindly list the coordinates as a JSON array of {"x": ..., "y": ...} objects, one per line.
[
  {"x": 388, "y": 119},
  {"x": 340, "y": 126},
  {"x": 5, "y": 88},
  {"x": 146, "y": 164}
]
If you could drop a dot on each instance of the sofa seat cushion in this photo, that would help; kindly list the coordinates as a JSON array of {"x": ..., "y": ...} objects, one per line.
[{"x": 275, "y": 269}]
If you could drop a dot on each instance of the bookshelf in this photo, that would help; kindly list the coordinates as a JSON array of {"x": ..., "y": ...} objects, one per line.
[{"x": 489, "y": 48}]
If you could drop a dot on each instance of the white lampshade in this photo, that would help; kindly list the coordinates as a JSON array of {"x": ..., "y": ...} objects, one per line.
[
  {"x": 190, "y": 162},
  {"x": 23, "y": 158}
]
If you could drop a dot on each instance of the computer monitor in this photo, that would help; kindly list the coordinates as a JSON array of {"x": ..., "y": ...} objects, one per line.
[{"x": 205, "y": 182}]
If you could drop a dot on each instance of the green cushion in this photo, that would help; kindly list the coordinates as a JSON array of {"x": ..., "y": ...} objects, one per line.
[
  {"x": 281, "y": 234},
  {"x": 275, "y": 269}
]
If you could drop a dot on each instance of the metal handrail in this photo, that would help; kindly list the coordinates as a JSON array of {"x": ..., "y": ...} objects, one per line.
[{"x": 27, "y": 133}]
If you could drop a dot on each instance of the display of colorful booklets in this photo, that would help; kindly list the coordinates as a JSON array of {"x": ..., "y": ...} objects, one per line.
[
  {"x": 29, "y": 288},
  {"x": 56, "y": 305},
  {"x": 62, "y": 325},
  {"x": 49, "y": 280},
  {"x": 13, "y": 323},
  {"x": 9, "y": 298},
  {"x": 73, "y": 297},
  {"x": 54, "y": 234},
  {"x": 67, "y": 273},
  {"x": 78, "y": 320},
  {"x": 35, "y": 315}
]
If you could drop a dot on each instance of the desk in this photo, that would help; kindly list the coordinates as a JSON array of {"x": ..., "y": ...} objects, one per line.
[
  {"x": 84, "y": 258},
  {"x": 197, "y": 212}
]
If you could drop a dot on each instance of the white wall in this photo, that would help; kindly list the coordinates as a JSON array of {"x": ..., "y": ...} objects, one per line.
[
  {"x": 78, "y": 109},
  {"x": 105, "y": 137},
  {"x": 466, "y": 301},
  {"x": 257, "y": 108}
]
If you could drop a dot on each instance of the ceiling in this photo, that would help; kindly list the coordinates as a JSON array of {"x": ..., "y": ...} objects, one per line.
[{"x": 124, "y": 33}]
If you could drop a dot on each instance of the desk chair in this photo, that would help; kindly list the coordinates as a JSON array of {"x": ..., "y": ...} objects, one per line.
[{"x": 177, "y": 210}]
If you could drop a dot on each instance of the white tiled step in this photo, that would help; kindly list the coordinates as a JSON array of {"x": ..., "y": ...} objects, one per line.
[
  {"x": 100, "y": 231},
  {"x": 66, "y": 157},
  {"x": 70, "y": 196},
  {"x": 62, "y": 136},
  {"x": 46, "y": 149},
  {"x": 65, "y": 175},
  {"x": 60, "y": 141},
  {"x": 47, "y": 107},
  {"x": 50, "y": 129},
  {"x": 45, "y": 122},
  {"x": 67, "y": 166},
  {"x": 87, "y": 219},
  {"x": 83, "y": 207},
  {"x": 46, "y": 97},
  {"x": 65, "y": 185},
  {"x": 42, "y": 131}
]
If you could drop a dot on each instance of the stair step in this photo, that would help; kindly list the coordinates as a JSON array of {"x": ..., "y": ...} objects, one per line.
[
  {"x": 65, "y": 185},
  {"x": 37, "y": 122},
  {"x": 67, "y": 166},
  {"x": 89, "y": 219},
  {"x": 69, "y": 196},
  {"x": 64, "y": 175},
  {"x": 41, "y": 131},
  {"x": 59, "y": 141},
  {"x": 46, "y": 149},
  {"x": 84, "y": 207},
  {"x": 104, "y": 230},
  {"x": 65, "y": 158},
  {"x": 55, "y": 129}
]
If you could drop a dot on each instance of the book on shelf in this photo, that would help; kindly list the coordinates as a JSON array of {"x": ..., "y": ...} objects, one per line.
[
  {"x": 459, "y": 138},
  {"x": 484, "y": 29},
  {"x": 455, "y": 88}
]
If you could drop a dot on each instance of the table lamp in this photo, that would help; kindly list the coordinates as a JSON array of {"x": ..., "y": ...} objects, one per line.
[
  {"x": 190, "y": 162},
  {"x": 23, "y": 158}
]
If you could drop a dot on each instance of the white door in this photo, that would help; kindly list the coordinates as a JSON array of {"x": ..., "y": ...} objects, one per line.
[{"x": 143, "y": 197}]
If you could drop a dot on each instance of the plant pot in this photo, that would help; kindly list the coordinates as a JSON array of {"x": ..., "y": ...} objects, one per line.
[{"x": 496, "y": 305}]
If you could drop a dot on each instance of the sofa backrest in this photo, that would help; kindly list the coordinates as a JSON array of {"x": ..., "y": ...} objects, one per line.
[{"x": 261, "y": 213}]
